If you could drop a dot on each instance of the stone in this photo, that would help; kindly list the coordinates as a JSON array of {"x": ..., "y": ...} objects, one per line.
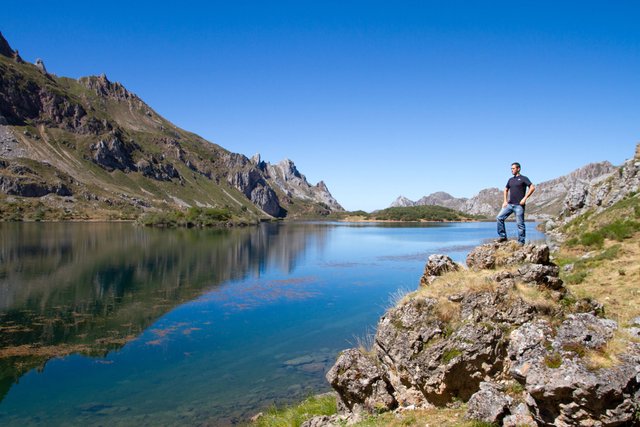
[
  {"x": 362, "y": 386},
  {"x": 520, "y": 417},
  {"x": 437, "y": 265},
  {"x": 546, "y": 275},
  {"x": 40, "y": 66},
  {"x": 491, "y": 255},
  {"x": 584, "y": 329},
  {"x": 489, "y": 404}
]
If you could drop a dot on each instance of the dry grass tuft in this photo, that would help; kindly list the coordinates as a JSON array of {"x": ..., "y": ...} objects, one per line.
[
  {"x": 538, "y": 297},
  {"x": 457, "y": 282},
  {"x": 606, "y": 356}
]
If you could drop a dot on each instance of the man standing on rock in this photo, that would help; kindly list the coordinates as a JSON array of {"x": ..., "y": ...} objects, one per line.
[{"x": 515, "y": 198}]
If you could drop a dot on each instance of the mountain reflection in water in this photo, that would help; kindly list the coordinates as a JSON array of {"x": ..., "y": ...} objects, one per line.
[{"x": 89, "y": 288}]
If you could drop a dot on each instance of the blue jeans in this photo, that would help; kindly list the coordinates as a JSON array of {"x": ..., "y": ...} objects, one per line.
[{"x": 504, "y": 213}]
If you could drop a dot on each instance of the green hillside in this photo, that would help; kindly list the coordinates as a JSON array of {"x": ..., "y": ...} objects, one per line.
[{"x": 90, "y": 149}]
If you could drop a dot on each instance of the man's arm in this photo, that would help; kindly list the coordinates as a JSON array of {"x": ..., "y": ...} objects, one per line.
[
  {"x": 532, "y": 188},
  {"x": 504, "y": 202}
]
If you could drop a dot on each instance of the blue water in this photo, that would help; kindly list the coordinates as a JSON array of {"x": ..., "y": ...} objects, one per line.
[{"x": 166, "y": 327}]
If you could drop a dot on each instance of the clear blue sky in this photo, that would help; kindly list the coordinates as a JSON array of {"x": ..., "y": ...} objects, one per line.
[{"x": 376, "y": 98}]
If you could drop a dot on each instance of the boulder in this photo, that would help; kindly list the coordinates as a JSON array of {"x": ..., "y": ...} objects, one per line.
[
  {"x": 361, "y": 384},
  {"x": 436, "y": 266},
  {"x": 520, "y": 416},
  {"x": 545, "y": 275},
  {"x": 489, "y": 404},
  {"x": 40, "y": 66}
]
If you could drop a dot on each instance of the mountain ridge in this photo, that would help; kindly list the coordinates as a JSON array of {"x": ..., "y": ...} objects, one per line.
[
  {"x": 91, "y": 149},
  {"x": 546, "y": 202}
]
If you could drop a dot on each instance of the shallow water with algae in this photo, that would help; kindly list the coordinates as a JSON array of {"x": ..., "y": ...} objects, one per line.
[{"x": 112, "y": 324}]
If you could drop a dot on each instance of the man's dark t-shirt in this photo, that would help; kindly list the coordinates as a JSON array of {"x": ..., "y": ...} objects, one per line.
[{"x": 517, "y": 186}]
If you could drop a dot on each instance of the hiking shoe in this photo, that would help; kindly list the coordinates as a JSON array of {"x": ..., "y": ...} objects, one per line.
[{"x": 500, "y": 239}]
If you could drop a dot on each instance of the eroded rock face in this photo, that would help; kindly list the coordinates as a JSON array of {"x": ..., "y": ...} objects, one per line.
[
  {"x": 562, "y": 388},
  {"x": 599, "y": 193},
  {"x": 113, "y": 154},
  {"x": 252, "y": 184},
  {"x": 360, "y": 383}
]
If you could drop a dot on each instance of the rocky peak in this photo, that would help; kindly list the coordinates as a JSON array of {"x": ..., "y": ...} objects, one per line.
[
  {"x": 285, "y": 176},
  {"x": 401, "y": 201},
  {"x": 104, "y": 87},
  {"x": 289, "y": 170},
  {"x": 436, "y": 198}
]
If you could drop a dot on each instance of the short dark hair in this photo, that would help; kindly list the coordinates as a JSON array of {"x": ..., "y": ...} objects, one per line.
[{"x": 516, "y": 164}]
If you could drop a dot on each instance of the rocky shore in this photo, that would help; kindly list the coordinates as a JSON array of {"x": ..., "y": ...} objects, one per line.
[{"x": 506, "y": 337}]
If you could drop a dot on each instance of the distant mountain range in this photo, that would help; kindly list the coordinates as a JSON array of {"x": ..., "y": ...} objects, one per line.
[
  {"x": 91, "y": 149},
  {"x": 548, "y": 201}
]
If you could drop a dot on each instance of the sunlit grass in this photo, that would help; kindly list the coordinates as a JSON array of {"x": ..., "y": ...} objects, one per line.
[{"x": 294, "y": 416}]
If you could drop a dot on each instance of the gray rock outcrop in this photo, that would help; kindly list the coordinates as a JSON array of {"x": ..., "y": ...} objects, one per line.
[
  {"x": 489, "y": 404},
  {"x": 599, "y": 194},
  {"x": 493, "y": 349},
  {"x": 113, "y": 154},
  {"x": 40, "y": 66},
  {"x": 285, "y": 176},
  {"x": 437, "y": 265}
]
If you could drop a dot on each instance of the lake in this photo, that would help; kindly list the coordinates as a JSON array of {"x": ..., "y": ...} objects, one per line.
[{"x": 113, "y": 324}]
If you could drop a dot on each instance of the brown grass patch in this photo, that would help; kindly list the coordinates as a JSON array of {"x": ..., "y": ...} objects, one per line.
[
  {"x": 608, "y": 355},
  {"x": 456, "y": 282},
  {"x": 538, "y": 297}
]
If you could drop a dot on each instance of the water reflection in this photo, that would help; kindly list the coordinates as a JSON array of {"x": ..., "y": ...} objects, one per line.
[{"x": 90, "y": 288}]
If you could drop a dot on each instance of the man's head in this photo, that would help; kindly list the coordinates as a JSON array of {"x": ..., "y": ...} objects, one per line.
[{"x": 515, "y": 168}]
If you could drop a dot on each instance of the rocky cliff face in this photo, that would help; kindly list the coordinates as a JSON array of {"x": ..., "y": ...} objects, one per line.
[
  {"x": 506, "y": 337},
  {"x": 285, "y": 176},
  {"x": 547, "y": 201},
  {"x": 602, "y": 192},
  {"x": 122, "y": 156}
]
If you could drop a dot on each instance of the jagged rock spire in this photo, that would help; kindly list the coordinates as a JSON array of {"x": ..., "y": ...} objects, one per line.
[{"x": 40, "y": 64}]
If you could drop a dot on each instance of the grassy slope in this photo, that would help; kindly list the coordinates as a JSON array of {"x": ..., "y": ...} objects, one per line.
[{"x": 69, "y": 153}]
